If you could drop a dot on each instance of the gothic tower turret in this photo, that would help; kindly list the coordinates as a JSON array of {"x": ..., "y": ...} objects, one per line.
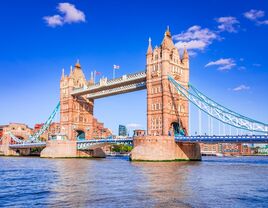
[
  {"x": 167, "y": 111},
  {"x": 76, "y": 112}
]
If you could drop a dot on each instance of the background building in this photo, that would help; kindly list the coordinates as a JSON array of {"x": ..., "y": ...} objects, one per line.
[
  {"x": 122, "y": 130},
  {"x": 139, "y": 132},
  {"x": 226, "y": 149}
]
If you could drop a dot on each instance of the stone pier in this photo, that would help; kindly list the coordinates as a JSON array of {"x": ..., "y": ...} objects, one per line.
[
  {"x": 163, "y": 148},
  {"x": 4, "y": 148},
  {"x": 68, "y": 149},
  {"x": 6, "y": 151},
  {"x": 59, "y": 149}
]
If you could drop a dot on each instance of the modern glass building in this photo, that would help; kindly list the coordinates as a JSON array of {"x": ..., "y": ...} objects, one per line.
[{"x": 122, "y": 130}]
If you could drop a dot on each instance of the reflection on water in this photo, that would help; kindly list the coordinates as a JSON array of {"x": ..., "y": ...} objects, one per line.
[{"x": 116, "y": 182}]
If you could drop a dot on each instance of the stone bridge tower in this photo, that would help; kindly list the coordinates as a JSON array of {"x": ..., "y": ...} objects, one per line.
[
  {"x": 76, "y": 114},
  {"x": 167, "y": 111}
]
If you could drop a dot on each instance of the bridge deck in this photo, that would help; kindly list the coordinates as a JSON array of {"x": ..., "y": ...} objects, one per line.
[
  {"x": 118, "y": 90},
  {"x": 126, "y": 83},
  {"x": 85, "y": 144},
  {"x": 27, "y": 145}
]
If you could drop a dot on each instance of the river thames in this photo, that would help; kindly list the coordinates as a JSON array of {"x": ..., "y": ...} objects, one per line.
[{"x": 116, "y": 182}]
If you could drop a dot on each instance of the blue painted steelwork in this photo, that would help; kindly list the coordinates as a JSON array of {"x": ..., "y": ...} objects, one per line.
[
  {"x": 87, "y": 143},
  {"x": 218, "y": 111},
  {"x": 80, "y": 135},
  {"x": 224, "y": 139},
  {"x": 36, "y": 136},
  {"x": 14, "y": 138}
]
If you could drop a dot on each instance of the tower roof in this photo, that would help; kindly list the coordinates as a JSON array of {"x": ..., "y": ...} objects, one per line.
[
  {"x": 77, "y": 65},
  {"x": 77, "y": 74},
  {"x": 167, "y": 41},
  {"x": 167, "y": 33}
]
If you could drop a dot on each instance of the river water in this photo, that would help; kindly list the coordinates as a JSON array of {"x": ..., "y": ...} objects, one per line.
[{"x": 116, "y": 182}]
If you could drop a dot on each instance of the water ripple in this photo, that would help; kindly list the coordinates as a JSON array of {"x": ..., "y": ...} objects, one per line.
[{"x": 116, "y": 182}]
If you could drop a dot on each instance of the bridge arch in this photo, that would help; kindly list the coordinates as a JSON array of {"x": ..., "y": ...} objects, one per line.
[
  {"x": 20, "y": 137},
  {"x": 176, "y": 129},
  {"x": 17, "y": 136},
  {"x": 80, "y": 134}
]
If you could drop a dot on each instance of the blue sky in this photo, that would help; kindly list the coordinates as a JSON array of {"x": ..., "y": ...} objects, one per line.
[{"x": 227, "y": 42}]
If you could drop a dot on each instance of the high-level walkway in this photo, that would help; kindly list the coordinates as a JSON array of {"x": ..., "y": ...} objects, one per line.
[{"x": 104, "y": 88}]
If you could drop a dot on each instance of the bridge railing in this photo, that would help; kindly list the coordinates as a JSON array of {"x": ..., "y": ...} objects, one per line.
[
  {"x": 85, "y": 144},
  {"x": 224, "y": 139},
  {"x": 117, "y": 90}
]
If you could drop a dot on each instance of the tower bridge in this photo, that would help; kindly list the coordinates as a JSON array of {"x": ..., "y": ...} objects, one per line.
[{"x": 166, "y": 79}]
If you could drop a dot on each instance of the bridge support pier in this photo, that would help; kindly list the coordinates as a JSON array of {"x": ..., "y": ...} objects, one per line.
[
  {"x": 163, "y": 148},
  {"x": 59, "y": 149},
  {"x": 5, "y": 150},
  {"x": 68, "y": 149}
]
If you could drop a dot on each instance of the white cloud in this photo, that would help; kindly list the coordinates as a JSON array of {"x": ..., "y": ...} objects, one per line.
[
  {"x": 133, "y": 125},
  {"x": 195, "y": 38},
  {"x": 54, "y": 21},
  {"x": 192, "y": 44},
  {"x": 223, "y": 64},
  {"x": 69, "y": 14},
  {"x": 257, "y": 65},
  {"x": 241, "y": 88},
  {"x": 228, "y": 24},
  {"x": 264, "y": 22},
  {"x": 255, "y": 15}
]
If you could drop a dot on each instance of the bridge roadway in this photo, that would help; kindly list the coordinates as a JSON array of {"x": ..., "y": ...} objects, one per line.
[
  {"x": 85, "y": 144},
  {"x": 104, "y": 88},
  {"x": 27, "y": 145}
]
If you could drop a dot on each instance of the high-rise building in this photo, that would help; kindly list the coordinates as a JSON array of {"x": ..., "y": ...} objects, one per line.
[{"x": 122, "y": 130}]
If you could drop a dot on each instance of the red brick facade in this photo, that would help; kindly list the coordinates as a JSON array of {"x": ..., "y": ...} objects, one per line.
[
  {"x": 165, "y": 107},
  {"x": 76, "y": 113}
]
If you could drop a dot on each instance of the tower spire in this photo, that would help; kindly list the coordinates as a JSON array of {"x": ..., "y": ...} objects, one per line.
[
  {"x": 167, "y": 42},
  {"x": 77, "y": 65},
  {"x": 62, "y": 74},
  {"x": 167, "y": 33},
  {"x": 71, "y": 70},
  {"x": 150, "y": 49},
  {"x": 185, "y": 53},
  {"x": 91, "y": 76},
  {"x": 185, "y": 58}
]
